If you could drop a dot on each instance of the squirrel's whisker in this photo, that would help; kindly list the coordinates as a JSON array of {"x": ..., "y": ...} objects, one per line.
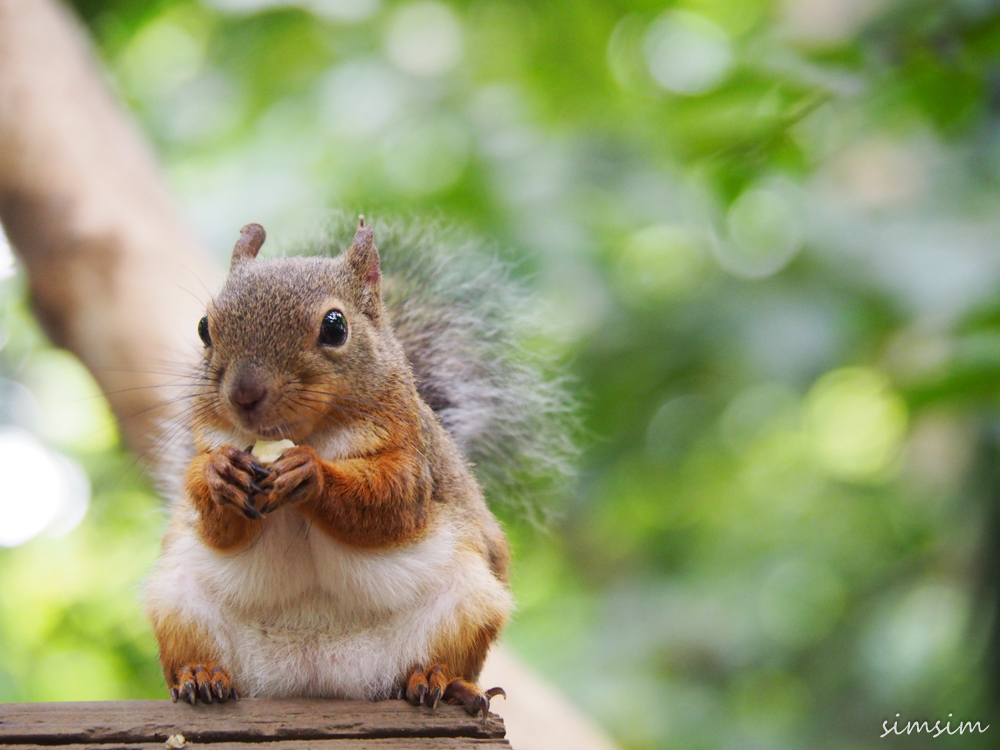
[
  {"x": 343, "y": 408},
  {"x": 334, "y": 394}
]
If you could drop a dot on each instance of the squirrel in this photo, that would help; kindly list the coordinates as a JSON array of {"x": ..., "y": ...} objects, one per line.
[{"x": 363, "y": 563}]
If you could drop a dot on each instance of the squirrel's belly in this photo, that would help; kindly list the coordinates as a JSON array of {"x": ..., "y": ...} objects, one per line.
[
  {"x": 298, "y": 613},
  {"x": 308, "y": 653}
]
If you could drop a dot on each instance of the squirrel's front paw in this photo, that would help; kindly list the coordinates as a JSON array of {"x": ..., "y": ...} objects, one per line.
[
  {"x": 232, "y": 476},
  {"x": 294, "y": 477}
]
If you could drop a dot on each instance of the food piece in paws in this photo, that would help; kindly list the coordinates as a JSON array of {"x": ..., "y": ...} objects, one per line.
[{"x": 269, "y": 451}]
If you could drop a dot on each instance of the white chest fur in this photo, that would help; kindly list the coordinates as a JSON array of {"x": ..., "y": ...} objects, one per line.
[{"x": 298, "y": 613}]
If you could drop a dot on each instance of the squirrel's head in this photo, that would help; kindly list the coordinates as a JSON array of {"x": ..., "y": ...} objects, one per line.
[{"x": 297, "y": 345}]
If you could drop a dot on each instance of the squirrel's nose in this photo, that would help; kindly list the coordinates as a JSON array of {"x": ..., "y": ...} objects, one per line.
[{"x": 247, "y": 395}]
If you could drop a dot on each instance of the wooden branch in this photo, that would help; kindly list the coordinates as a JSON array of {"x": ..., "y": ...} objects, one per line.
[
  {"x": 113, "y": 274},
  {"x": 294, "y": 723},
  {"x": 390, "y": 743}
]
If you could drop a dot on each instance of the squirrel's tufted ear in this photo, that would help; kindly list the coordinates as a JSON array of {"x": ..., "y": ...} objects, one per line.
[
  {"x": 362, "y": 259},
  {"x": 248, "y": 245}
]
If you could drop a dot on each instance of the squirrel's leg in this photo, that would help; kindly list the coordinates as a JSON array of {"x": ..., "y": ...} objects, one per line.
[
  {"x": 452, "y": 678},
  {"x": 189, "y": 662},
  {"x": 222, "y": 484}
]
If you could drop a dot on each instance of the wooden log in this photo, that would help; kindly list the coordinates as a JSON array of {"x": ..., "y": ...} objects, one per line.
[
  {"x": 390, "y": 743},
  {"x": 296, "y": 723}
]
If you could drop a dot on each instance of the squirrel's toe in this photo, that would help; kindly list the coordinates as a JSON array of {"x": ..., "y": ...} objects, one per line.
[
  {"x": 205, "y": 682},
  {"x": 416, "y": 685},
  {"x": 470, "y": 697}
]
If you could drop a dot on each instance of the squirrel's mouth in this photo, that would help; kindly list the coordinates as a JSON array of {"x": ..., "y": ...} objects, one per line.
[{"x": 276, "y": 432}]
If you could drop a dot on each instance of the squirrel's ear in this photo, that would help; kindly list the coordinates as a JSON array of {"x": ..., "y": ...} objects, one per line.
[
  {"x": 362, "y": 259},
  {"x": 248, "y": 245}
]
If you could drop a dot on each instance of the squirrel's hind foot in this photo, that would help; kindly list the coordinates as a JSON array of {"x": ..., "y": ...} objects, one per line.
[
  {"x": 203, "y": 682},
  {"x": 469, "y": 696},
  {"x": 432, "y": 686}
]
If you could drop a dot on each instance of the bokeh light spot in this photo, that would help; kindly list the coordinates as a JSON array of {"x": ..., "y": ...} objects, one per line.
[
  {"x": 856, "y": 423},
  {"x": 337, "y": 10},
  {"x": 914, "y": 636},
  {"x": 344, "y": 10},
  {"x": 686, "y": 53},
  {"x": 7, "y": 267},
  {"x": 660, "y": 261},
  {"x": 160, "y": 57},
  {"x": 425, "y": 39},
  {"x": 41, "y": 490},
  {"x": 763, "y": 234}
]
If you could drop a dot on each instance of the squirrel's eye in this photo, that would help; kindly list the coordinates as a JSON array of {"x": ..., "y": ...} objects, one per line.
[
  {"x": 203, "y": 331},
  {"x": 333, "y": 331}
]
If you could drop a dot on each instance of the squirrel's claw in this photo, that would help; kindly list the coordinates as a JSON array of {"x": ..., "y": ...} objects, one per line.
[
  {"x": 486, "y": 699},
  {"x": 437, "y": 683},
  {"x": 234, "y": 478},
  {"x": 221, "y": 690},
  {"x": 203, "y": 680},
  {"x": 260, "y": 473},
  {"x": 431, "y": 687},
  {"x": 294, "y": 477},
  {"x": 416, "y": 685},
  {"x": 189, "y": 692},
  {"x": 418, "y": 696},
  {"x": 251, "y": 512},
  {"x": 470, "y": 697},
  {"x": 205, "y": 683}
]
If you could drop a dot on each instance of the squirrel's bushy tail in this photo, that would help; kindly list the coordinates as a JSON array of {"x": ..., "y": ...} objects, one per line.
[{"x": 464, "y": 324}]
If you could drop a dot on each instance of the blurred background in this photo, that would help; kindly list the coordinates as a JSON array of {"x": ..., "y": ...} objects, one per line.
[{"x": 765, "y": 241}]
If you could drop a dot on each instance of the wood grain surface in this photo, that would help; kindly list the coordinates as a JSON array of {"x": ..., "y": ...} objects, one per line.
[
  {"x": 390, "y": 743},
  {"x": 293, "y": 724}
]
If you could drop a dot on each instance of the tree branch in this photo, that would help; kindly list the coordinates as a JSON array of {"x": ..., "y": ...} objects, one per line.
[{"x": 113, "y": 274}]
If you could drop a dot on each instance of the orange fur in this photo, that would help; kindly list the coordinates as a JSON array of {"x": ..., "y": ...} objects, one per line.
[
  {"x": 373, "y": 501},
  {"x": 182, "y": 644},
  {"x": 465, "y": 651},
  {"x": 220, "y": 525}
]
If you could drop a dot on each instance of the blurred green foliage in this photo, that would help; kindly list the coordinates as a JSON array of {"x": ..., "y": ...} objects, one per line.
[{"x": 764, "y": 240}]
